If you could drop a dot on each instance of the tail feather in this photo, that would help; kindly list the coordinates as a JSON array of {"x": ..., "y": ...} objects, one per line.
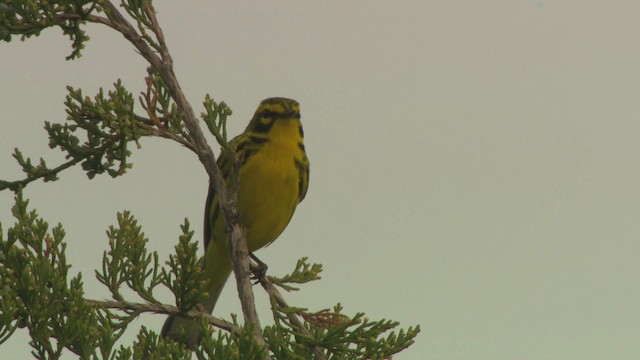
[{"x": 176, "y": 325}]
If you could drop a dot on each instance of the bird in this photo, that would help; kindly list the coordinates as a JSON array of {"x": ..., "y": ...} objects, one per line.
[{"x": 273, "y": 180}]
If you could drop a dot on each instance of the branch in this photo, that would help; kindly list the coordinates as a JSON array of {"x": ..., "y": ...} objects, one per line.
[
  {"x": 91, "y": 18},
  {"x": 240, "y": 257},
  {"x": 140, "y": 308},
  {"x": 167, "y": 135},
  {"x": 157, "y": 30},
  {"x": 15, "y": 185},
  {"x": 164, "y": 66}
]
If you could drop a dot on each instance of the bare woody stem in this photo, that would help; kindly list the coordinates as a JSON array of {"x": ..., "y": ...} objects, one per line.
[
  {"x": 139, "y": 308},
  {"x": 164, "y": 65}
]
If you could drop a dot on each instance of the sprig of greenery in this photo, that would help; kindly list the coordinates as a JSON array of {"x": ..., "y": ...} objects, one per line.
[
  {"x": 40, "y": 294},
  {"x": 128, "y": 262},
  {"x": 186, "y": 277},
  {"x": 227, "y": 346},
  {"x": 139, "y": 11},
  {"x": 303, "y": 273},
  {"x": 34, "y": 172},
  {"x": 99, "y": 130},
  {"x": 163, "y": 113},
  {"x": 29, "y": 17},
  {"x": 215, "y": 116},
  {"x": 149, "y": 345},
  {"x": 108, "y": 125},
  {"x": 336, "y": 334},
  {"x": 339, "y": 336}
]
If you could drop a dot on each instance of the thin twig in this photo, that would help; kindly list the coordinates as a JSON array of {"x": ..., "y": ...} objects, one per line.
[
  {"x": 139, "y": 308},
  {"x": 90, "y": 18},
  {"x": 171, "y": 136},
  {"x": 14, "y": 185},
  {"x": 157, "y": 30}
]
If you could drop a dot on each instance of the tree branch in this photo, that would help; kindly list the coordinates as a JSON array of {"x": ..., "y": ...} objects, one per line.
[
  {"x": 140, "y": 308},
  {"x": 164, "y": 66},
  {"x": 91, "y": 18},
  {"x": 14, "y": 185}
]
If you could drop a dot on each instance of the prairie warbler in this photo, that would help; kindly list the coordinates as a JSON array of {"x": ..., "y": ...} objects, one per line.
[{"x": 274, "y": 176}]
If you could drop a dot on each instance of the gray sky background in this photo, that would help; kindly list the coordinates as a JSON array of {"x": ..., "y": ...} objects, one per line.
[{"x": 474, "y": 164}]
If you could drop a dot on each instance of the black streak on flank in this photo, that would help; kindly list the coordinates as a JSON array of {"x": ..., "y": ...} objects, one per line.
[
  {"x": 209, "y": 218},
  {"x": 300, "y": 130},
  {"x": 301, "y": 146},
  {"x": 247, "y": 155},
  {"x": 303, "y": 176}
]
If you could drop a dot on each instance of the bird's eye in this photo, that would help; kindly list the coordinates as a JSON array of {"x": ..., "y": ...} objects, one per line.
[{"x": 268, "y": 113}]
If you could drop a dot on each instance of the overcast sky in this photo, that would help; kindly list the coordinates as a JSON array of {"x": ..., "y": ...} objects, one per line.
[{"x": 474, "y": 164}]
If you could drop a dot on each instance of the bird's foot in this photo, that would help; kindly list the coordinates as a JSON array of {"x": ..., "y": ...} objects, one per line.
[{"x": 259, "y": 270}]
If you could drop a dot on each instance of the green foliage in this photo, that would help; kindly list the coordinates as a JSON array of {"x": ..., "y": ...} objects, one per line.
[
  {"x": 215, "y": 116},
  {"x": 40, "y": 295},
  {"x": 162, "y": 111},
  {"x": 139, "y": 10},
  {"x": 149, "y": 346},
  {"x": 127, "y": 261},
  {"x": 303, "y": 273},
  {"x": 29, "y": 17},
  {"x": 190, "y": 280},
  {"x": 38, "y": 292},
  {"x": 40, "y": 170},
  {"x": 339, "y": 336},
  {"x": 99, "y": 130},
  {"x": 227, "y": 346},
  {"x": 108, "y": 125}
]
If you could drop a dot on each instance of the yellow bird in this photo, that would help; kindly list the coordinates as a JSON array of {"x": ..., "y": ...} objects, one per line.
[{"x": 274, "y": 177}]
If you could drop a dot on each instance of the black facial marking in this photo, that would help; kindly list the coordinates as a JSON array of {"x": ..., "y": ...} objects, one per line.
[{"x": 264, "y": 124}]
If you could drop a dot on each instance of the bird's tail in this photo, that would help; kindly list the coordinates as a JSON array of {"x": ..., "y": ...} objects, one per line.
[{"x": 176, "y": 325}]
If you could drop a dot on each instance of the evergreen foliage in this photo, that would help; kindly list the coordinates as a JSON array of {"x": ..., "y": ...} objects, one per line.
[{"x": 38, "y": 293}]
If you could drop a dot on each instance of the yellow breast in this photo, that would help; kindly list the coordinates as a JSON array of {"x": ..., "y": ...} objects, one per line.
[{"x": 267, "y": 194}]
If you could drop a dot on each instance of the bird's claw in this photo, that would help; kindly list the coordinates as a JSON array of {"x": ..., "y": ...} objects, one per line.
[{"x": 259, "y": 271}]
